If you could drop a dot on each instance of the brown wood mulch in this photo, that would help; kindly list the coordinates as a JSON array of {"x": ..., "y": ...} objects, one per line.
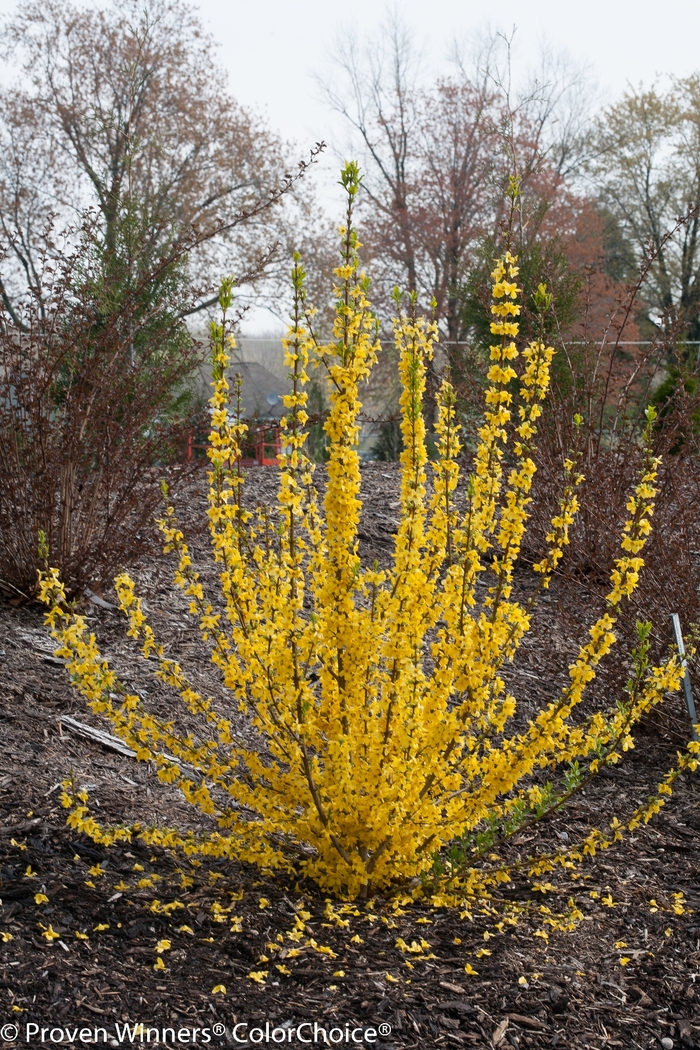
[{"x": 572, "y": 991}]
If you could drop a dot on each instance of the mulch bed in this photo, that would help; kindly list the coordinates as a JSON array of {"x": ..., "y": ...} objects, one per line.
[{"x": 224, "y": 921}]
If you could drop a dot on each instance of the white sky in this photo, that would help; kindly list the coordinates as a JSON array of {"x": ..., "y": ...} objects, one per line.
[{"x": 271, "y": 47}]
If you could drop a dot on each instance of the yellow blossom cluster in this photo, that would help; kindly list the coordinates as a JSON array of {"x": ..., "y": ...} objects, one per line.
[{"x": 377, "y": 696}]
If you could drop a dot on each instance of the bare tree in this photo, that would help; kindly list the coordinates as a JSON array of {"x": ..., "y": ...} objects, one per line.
[
  {"x": 377, "y": 93},
  {"x": 438, "y": 151},
  {"x": 123, "y": 108},
  {"x": 558, "y": 100},
  {"x": 426, "y": 154},
  {"x": 647, "y": 170}
]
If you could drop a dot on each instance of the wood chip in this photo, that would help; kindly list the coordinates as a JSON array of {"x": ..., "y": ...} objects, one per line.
[
  {"x": 113, "y": 743},
  {"x": 10, "y": 829},
  {"x": 456, "y": 988},
  {"x": 528, "y": 1022},
  {"x": 499, "y": 1034}
]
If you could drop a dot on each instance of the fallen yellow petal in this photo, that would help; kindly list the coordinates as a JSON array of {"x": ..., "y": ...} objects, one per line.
[{"x": 258, "y": 976}]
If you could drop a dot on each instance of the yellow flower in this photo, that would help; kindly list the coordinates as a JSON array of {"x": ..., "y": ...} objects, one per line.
[
  {"x": 41, "y": 898},
  {"x": 81, "y": 936},
  {"x": 470, "y": 970},
  {"x": 380, "y": 722},
  {"x": 321, "y": 948},
  {"x": 218, "y": 989},
  {"x": 624, "y": 960},
  {"x": 50, "y": 934},
  {"x": 258, "y": 976},
  {"x": 5, "y": 937},
  {"x": 101, "y": 926},
  {"x": 163, "y": 946},
  {"x": 159, "y": 964}
]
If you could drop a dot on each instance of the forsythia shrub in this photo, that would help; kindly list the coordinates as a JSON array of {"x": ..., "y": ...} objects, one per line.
[{"x": 377, "y": 696}]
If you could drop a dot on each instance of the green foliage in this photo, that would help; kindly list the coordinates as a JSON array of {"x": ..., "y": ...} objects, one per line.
[
  {"x": 551, "y": 303},
  {"x": 540, "y": 262},
  {"x": 389, "y": 444},
  {"x": 678, "y": 386},
  {"x": 140, "y": 284}
]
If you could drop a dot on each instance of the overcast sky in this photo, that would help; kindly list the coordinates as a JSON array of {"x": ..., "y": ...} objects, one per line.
[{"x": 271, "y": 47}]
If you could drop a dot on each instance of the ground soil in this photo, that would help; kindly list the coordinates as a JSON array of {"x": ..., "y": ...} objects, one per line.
[{"x": 573, "y": 990}]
